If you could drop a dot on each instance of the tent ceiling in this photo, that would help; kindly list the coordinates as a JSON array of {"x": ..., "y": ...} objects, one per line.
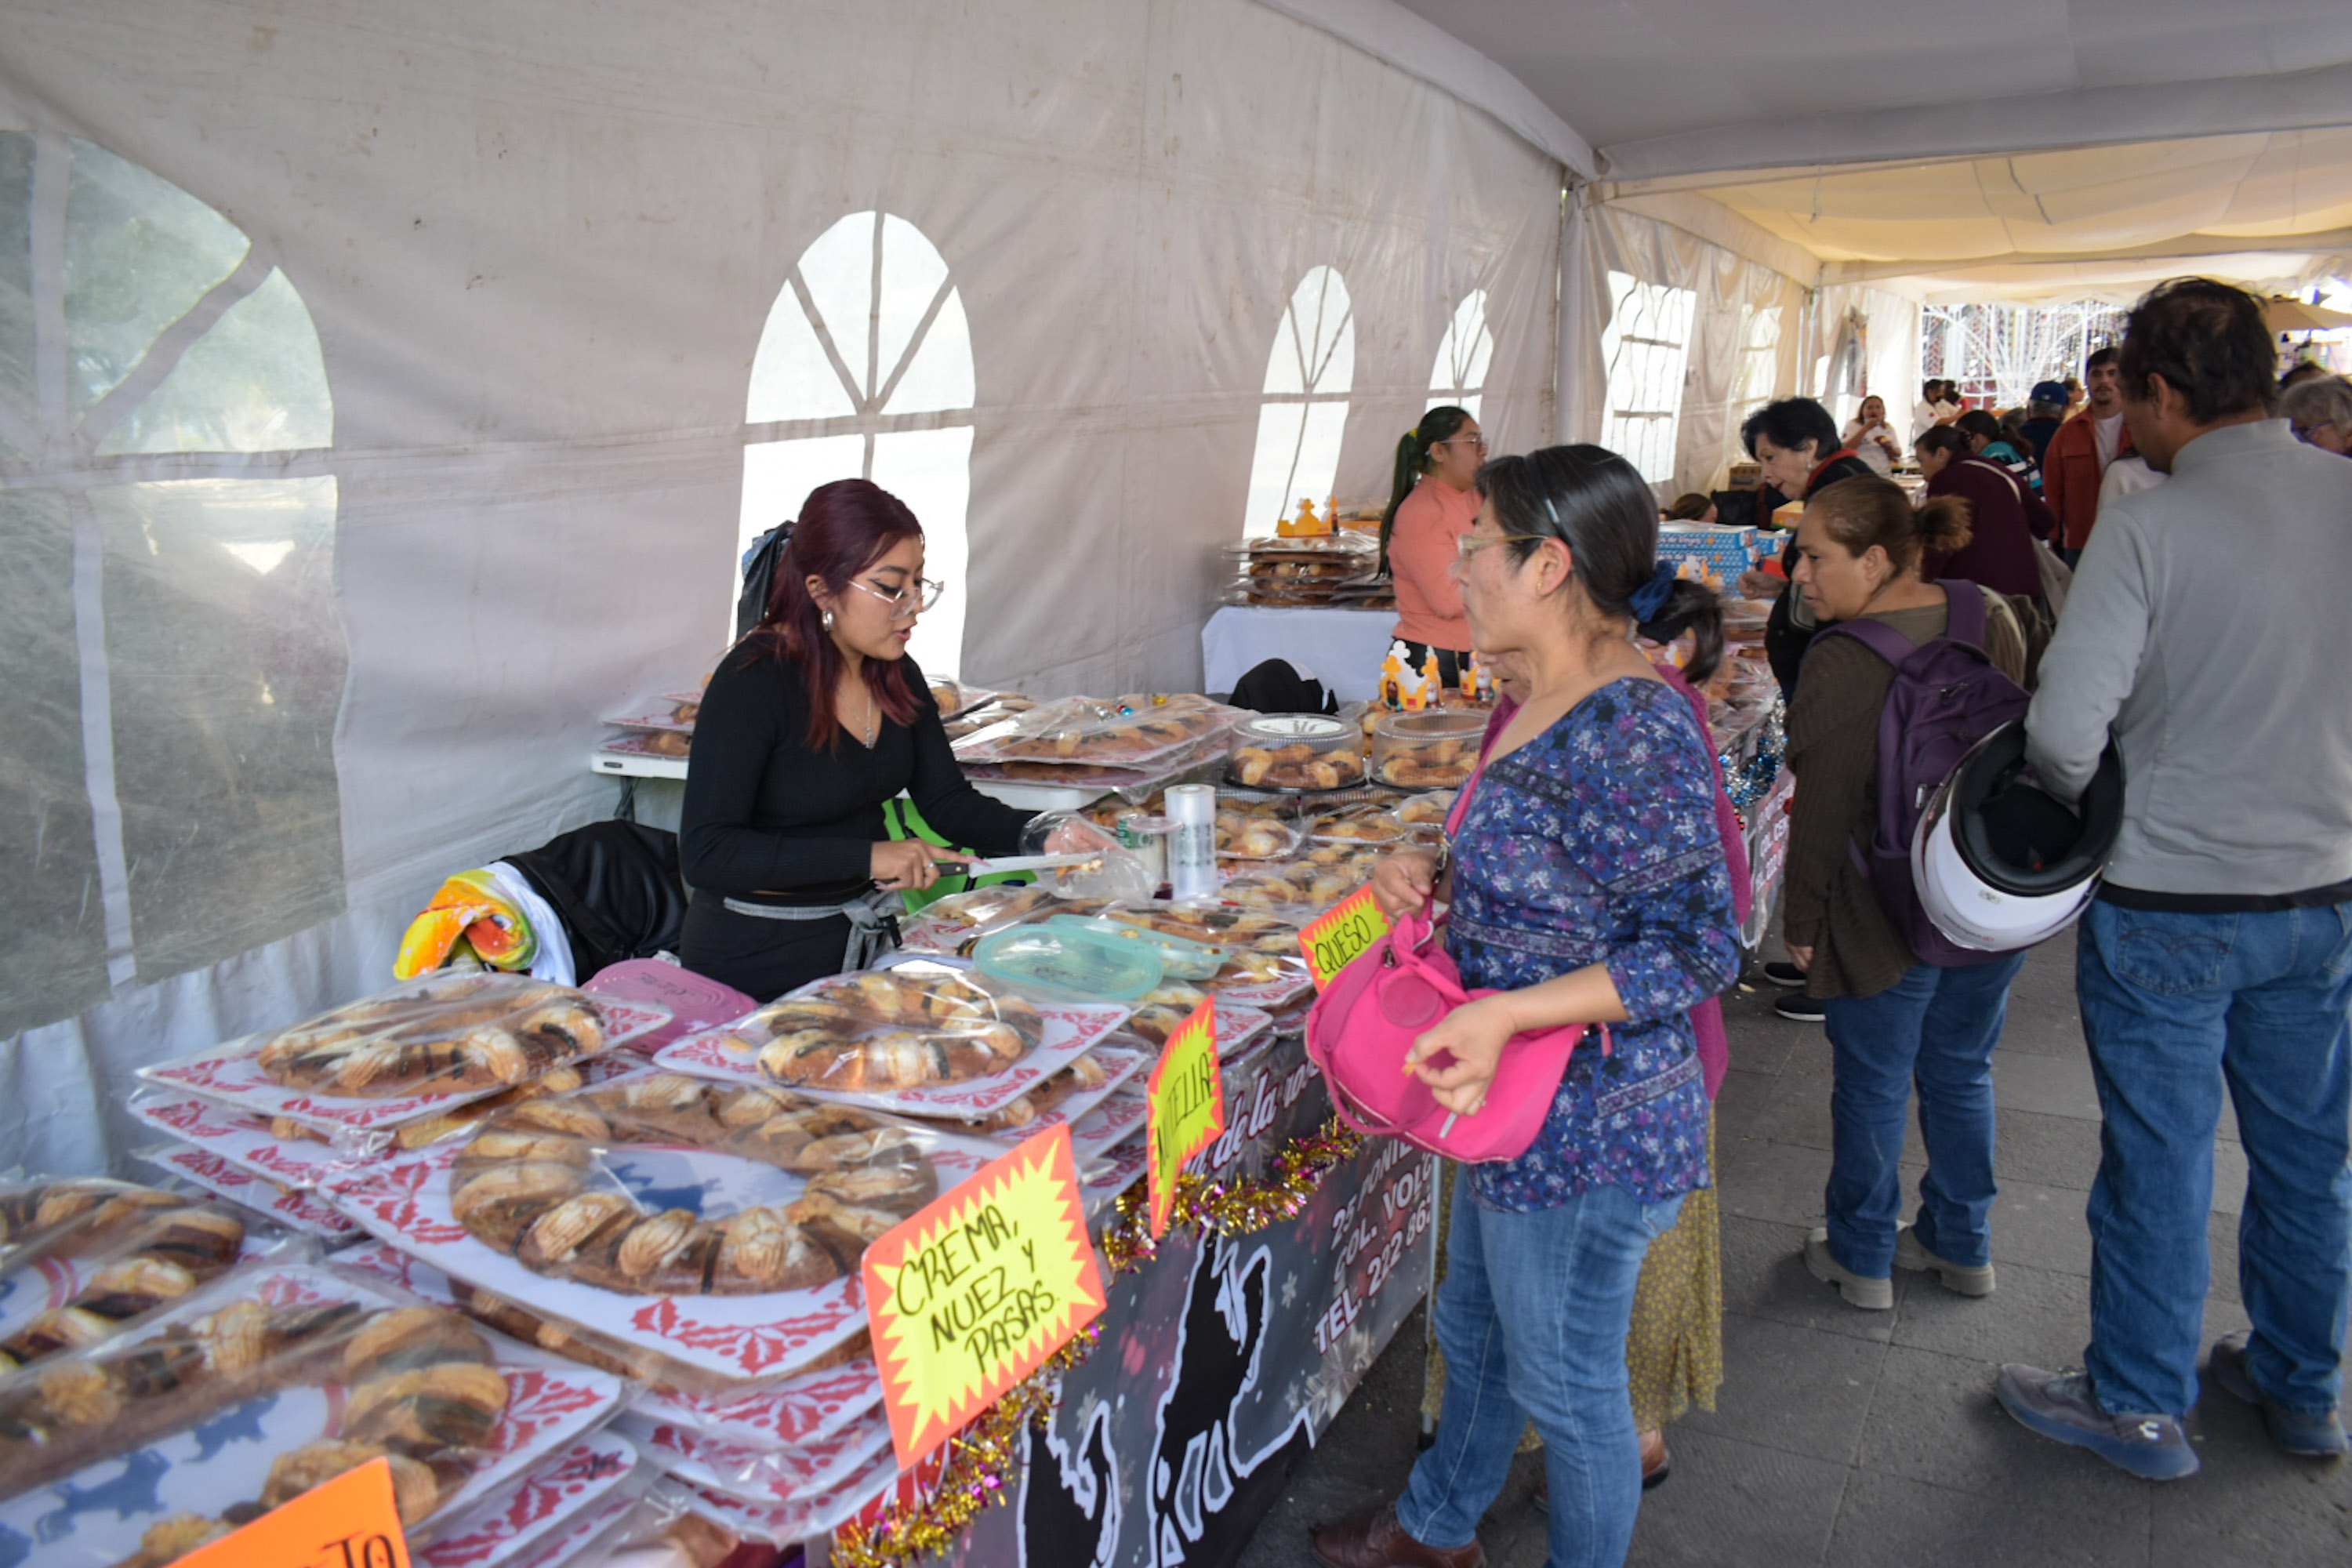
[
  {"x": 1714, "y": 85},
  {"x": 2023, "y": 148}
]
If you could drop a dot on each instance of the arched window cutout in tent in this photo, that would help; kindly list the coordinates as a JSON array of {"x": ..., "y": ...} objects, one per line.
[
  {"x": 175, "y": 664},
  {"x": 865, "y": 372},
  {"x": 1751, "y": 381},
  {"x": 1647, "y": 345},
  {"x": 1462, "y": 355},
  {"x": 1309, "y": 374}
]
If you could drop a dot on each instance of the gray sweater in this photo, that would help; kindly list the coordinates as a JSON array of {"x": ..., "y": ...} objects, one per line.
[{"x": 2206, "y": 624}]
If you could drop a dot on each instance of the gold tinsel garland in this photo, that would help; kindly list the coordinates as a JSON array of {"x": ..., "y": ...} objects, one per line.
[{"x": 981, "y": 1456}]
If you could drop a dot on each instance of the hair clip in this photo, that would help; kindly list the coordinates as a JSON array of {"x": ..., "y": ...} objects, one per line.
[{"x": 1552, "y": 511}]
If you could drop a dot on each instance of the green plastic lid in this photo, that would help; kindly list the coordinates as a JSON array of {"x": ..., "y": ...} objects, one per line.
[
  {"x": 1070, "y": 962},
  {"x": 1180, "y": 957}
]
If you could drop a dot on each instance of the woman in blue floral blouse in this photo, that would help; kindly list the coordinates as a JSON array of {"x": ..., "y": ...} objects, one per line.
[{"x": 1588, "y": 884}]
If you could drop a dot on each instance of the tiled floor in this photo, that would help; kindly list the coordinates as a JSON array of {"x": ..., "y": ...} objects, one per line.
[{"x": 1872, "y": 1438}]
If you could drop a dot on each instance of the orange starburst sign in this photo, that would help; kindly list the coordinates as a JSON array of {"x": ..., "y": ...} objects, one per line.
[{"x": 974, "y": 1291}]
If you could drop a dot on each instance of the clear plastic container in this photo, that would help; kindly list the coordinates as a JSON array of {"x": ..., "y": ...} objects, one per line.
[
  {"x": 1295, "y": 751},
  {"x": 1427, "y": 750},
  {"x": 1246, "y": 836},
  {"x": 1070, "y": 962},
  {"x": 1117, "y": 733},
  {"x": 1179, "y": 958}
]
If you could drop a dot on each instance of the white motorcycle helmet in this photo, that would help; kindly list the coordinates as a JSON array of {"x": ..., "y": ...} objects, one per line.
[{"x": 1999, "y": 863}]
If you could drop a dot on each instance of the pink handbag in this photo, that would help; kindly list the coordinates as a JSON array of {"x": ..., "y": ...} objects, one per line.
[{"x": 1361, "y": 1028}]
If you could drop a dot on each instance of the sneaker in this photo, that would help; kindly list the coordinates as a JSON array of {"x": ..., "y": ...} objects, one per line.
[
  {"x": 2296, "y": 1432},
  {"x": 1859, "y": 1290},
  {"x": 1800, "y": 1007},
  {"x": 1960, "y": 1279},
  {"x": 1783, "y": 973},
  {"x": 2058, "y": 1404}
]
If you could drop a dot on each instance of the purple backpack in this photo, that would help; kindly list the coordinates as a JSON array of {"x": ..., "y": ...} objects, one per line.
[{"x": 1948, "y": 695}]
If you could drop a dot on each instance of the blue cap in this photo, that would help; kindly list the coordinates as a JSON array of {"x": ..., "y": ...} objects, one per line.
[{"x": 2048, "y": 391}]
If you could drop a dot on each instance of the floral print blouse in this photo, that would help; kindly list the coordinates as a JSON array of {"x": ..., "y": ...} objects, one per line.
[{"x": 1597, "y": 843}]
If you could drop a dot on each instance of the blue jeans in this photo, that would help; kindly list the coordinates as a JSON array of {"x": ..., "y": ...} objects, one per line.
[
  {"x": 1532, "y": 1316},
  {"x": 2175, "y": 1005},
  {"x": 1935, "y": 1028}
]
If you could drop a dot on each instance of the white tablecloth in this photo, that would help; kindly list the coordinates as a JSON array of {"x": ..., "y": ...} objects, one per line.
[{"x": 1341, "y": 648}]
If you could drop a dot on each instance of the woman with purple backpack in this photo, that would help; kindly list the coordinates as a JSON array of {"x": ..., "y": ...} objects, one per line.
[{"x": 1895, "y": 1019}]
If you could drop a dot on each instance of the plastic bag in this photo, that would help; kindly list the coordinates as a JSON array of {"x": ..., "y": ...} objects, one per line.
[
  {"x": 593, "y": 1478},
  {"x": 662, "y": 1376},
  {"x": 1246, "y": 836},
  {"x": 258, "y": 1389},
  {"x": 408, "y": 1054},
  {"x": 951, "y": 924},
  {"x": 1122, "y": 732},
  {"x": 538, "y": 1182},
  {"x": 897, "y": 1029},
  {"x": 98, "y": 1258}
]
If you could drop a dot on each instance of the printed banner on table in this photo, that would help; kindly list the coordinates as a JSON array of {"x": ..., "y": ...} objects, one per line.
[
  {"x": 968, "y": 1296},
  {"x": 1340, "y": 932},
  {"x": 1187, "y": 1097}
]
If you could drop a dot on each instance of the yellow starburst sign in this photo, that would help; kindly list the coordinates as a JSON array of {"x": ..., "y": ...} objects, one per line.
[
  {"x": 1333, "y": 939},
  {"x": 979, "y": 1288},
  {"x": 1187, "y": 1096}
]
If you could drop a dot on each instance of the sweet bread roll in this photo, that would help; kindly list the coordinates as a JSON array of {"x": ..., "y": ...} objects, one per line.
[{"x": 534, "y": 1202}]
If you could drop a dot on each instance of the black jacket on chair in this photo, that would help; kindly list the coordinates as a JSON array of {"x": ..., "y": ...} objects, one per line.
[{"x": 616, "y": 887}]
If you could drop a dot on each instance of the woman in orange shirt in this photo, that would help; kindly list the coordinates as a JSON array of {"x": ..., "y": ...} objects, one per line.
[{"x": 1432, "y": 505}]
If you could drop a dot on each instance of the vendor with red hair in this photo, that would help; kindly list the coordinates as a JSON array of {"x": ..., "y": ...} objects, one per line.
[{"x": 812, "y": 721}]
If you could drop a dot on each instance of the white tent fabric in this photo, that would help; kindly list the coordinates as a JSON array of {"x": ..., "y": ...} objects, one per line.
[
  {"x": 539, "y": 246},
  {"x": 1741, "y": 341}
]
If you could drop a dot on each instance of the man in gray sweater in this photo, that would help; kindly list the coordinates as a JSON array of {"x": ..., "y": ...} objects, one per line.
[{"x": 2202, "y": 625}]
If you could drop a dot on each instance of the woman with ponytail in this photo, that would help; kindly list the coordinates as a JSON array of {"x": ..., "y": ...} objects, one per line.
[
  {"x": 1894, "y": 1020},
  {"x": 812, "y": 721},
  {"x": 1432, "y": 503},
  {"x": 1588, "y": 884}
]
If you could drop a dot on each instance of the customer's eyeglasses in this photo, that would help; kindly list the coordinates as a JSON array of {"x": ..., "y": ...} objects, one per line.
[
  {"x": 2305, "y": 432},
  {"x": 910, "y": 601},
  {"x": 1468, "y": 544}
]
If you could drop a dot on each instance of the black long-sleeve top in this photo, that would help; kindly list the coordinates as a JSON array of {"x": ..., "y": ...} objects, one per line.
[{"x": 768, "y": 813}]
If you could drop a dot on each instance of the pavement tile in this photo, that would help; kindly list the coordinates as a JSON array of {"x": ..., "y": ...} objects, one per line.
[
  {"x": 1890, "y": 1519},
  {"x": 1933, "y": 1418},
  {"x": 1763, "y": 1276},
  {"x": 2221, "y": 1251},
  {"x": 2251, "y": 1504},
  {"x": 1736, "y": 1502},
  {"x": 1738, "y": 1103},
  {"x": 2054, "y": 1086},
  {"x": 1777, "y": 1182},
  {"x": 1789, "y": 1387},
  {"x": 2043, "y": 1226},
  {"x": 2055, "y": 1150},
  {"x": 2039, "y": 1316}
]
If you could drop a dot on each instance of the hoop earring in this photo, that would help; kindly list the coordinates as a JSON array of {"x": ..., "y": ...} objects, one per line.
[{"x": 828, "y": 620}]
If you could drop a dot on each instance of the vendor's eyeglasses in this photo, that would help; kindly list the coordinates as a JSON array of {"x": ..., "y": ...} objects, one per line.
[
  {"x": 1478, "y": 441},
  {"x": 1468, "y": 544},
  {"x": 910, "y": 601}
]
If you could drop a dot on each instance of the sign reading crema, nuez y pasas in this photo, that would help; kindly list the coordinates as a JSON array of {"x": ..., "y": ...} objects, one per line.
[{"x": 974, "y": 1291}]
